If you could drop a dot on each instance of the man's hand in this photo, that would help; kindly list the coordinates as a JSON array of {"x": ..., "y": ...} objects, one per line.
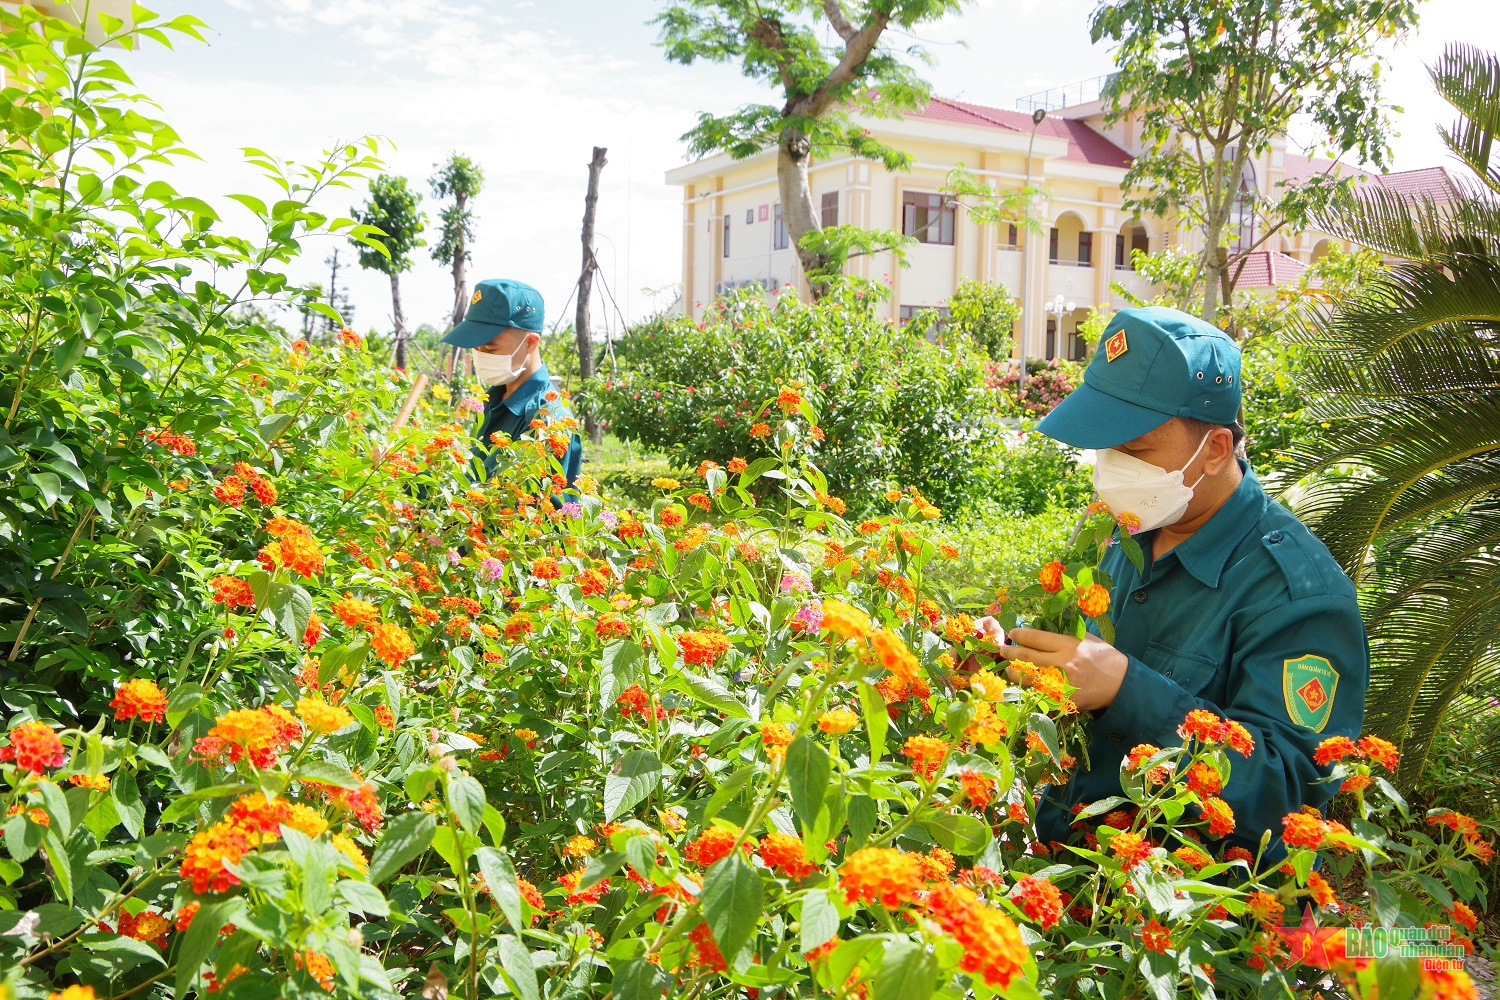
[{"x": 1093, "y": 666}]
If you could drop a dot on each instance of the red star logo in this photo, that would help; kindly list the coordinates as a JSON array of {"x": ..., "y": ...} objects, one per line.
[
  {"x": 1320, "y": 947},
  {"x": 1312, "y": 694}
]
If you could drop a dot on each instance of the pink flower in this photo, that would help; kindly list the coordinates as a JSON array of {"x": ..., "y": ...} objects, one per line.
[{"x": 795, "y": 581}]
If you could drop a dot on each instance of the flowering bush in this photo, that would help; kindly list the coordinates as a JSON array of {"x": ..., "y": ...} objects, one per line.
[
  {"x": 1047, "y": 384},
  {"x": 378, "y": 729},
  {"x": 893, "y": 408}
]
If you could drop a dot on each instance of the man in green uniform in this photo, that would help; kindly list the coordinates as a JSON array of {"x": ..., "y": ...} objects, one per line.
[
  {"x": 504, "y": 329},
  {"x": 1240, "y": 610}
]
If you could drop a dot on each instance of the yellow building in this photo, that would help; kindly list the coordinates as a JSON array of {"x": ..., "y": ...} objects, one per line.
[{"x": 733, "y": 236}]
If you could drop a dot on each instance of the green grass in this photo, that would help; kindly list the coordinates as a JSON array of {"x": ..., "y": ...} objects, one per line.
[{"x": 625, "y": 470}]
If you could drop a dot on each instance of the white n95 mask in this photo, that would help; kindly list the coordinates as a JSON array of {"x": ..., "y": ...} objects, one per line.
[
  {"x": 1151, "y": 493},
  {"x": 495, "y": 369}
]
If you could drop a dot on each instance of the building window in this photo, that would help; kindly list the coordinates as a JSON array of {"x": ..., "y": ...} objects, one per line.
[
  {"x": 1125, "y": 247},
  {"x": 749, "y": 216},
  {"x": 726, "y": 235},
  {"x": 1012, "y": 236},
  {"x": 939, "y": 313},
  {"x": 778, "y": 230},
  {"x": 830, "y": 210},
  {"x": 1078, "y": 348},
  {"x": 1242, "y": 211},
  {"x": 1051, "y": 336},
  {"x": 1085, "y": 249},
  {"x": 927, "y": 217},
  {"x": 1052, "y": 250}
]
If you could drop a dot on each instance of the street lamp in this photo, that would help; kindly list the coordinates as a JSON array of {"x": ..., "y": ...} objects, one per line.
[
  {"x": 1059, "y": 308},
  {"x": 1036, "y": 119}
]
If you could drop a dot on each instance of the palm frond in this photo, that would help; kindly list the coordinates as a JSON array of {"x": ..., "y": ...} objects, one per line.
[
  {"x": 1470, "y": 80},
  {"x": 1405, "y": 487}
]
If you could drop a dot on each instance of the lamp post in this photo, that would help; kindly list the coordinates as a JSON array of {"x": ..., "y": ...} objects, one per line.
[
  {"x": 1036, "y": 119},
  {"x": 1058, "y": 307}
]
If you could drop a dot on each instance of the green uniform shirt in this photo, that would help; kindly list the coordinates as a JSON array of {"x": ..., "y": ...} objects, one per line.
[
  {"x": 1250, "y": 618},
  {"x": 512, "y": 415}
]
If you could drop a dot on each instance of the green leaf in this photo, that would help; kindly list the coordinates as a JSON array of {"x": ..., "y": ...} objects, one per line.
[
  {"x": 731, "y": 902},
  {"x": 362, "y": 897},
  {"x": 638, "y": 979},
  {"x": 876, "y": 719},
  {"x": 199, "y": 939},
  {"x": 128, "y": 946},
  {"x": 1398, "y": 977},
  {"x": 327, "y": 773},
  {"x": 500, "y": 877},
  {"x": 516, "y": 961},
  {"x": 959, "y": 832},
  {"x": 622, "y": 662},
  {"x": 819, "y": 920},
  {"x": 1046, "y": 729},
  {"x": 712, "y": 692},
  {"x": 185, "y": 697},
  {"x": 731, "y": 787},
  {"x": 49, "y": 485},
  {"x": 908, "y": 972},
  {"x": 128, "y": 805},
  {"x": 405, "y": 837},
  {"x": 807, "y": 770},
  {"x": 634, "y": 776},
  {"x": 466, "y": 799}
]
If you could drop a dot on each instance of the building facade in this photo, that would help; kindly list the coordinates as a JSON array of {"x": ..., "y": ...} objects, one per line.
[{"x": 733, "y": 235}]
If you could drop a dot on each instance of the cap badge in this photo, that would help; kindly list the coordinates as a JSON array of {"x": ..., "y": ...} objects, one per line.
[
  {"x": 474, "y": 300},
  {"x": 1115, "y": 346}
]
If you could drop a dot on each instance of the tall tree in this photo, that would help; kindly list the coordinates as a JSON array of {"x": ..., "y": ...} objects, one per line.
[
  {"x": 461, "y": 179},
  {"x": 394, "y": 209},
  {"x": 822, "y": 86},
  {"x": 1215, "y": 81},
  {"x": 1405, "y": 372},
  {"x": 584, "y": 336}
]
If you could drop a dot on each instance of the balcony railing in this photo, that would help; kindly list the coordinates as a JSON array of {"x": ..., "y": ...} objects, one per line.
[
  {"x": 1071, "y": 263},
  {"x": 1068, "y": 95}
]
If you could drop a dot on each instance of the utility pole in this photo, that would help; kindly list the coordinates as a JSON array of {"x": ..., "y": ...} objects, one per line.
[
  {"x": 333, "y": 286},
  {"x": 581, "y": 332}
]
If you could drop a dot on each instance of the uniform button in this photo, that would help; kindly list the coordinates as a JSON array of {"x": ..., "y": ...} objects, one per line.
[
  {"x": 1275, "y": 537},
  {"x": 1140, "y": 597}
]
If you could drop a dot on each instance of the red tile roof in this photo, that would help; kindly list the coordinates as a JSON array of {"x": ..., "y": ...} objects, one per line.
[
  {"x": 1269, "y": 268},
  {"x": 1433, "y": 181},
  {"x": 1084, "y": 144}
]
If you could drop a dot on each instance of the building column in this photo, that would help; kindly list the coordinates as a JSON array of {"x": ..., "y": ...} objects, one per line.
[
  {"x": 689, "y": 248},
  {"x": 1104, "y": 265}
]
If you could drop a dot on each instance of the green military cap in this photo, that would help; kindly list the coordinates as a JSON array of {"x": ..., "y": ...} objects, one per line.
[
  {"x": 498, "y": 304},
  {"x": 1152, "y": 364}
]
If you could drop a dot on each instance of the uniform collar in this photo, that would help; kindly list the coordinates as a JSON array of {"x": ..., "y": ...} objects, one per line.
[
  {"x": 530, "y": 390},
  {"x": 1205, "y": 554}
]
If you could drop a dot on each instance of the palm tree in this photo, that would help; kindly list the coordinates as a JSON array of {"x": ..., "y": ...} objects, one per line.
[{"x": 1405, "y": 487}]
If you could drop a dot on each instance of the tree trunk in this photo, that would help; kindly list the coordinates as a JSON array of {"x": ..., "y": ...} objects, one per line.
[
  {"x": 398, "y": 321},
  {"x": 460, "y": 286},
  {"x": 797, "y": 210},
  {"x": 1213, "y": 267},
  {"x": 581, "y": 332}
]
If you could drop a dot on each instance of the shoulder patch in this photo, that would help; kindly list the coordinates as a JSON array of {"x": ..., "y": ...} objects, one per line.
[
  {"x": 1305, "y": 563},
  {"x": 1308, "y": 686}
]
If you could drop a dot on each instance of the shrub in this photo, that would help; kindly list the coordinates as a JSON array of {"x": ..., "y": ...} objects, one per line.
[
  {"x": 892, "y": 408},
  {"x": 985, "y": 314},
  {"x": 1047, "y": 384}
]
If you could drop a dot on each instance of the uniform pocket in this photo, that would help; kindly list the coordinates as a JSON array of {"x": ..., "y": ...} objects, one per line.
[{"x": 1191, "y": 671}]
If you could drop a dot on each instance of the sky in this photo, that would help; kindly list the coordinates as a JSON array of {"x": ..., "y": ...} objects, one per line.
[{"x": 528, "y": 87}]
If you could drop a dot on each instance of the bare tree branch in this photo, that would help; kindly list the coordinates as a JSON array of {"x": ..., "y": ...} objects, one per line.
[{"x": 841, "y": 23}]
